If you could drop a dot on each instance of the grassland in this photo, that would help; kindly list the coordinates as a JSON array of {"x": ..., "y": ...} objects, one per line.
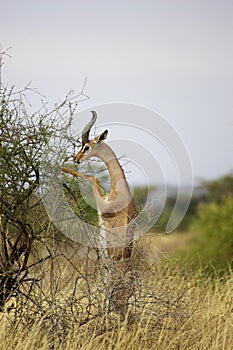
[{"x": 174, "y": 308}]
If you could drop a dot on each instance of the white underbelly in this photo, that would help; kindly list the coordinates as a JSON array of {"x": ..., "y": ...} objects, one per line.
[{"x": 103, "y": 237}]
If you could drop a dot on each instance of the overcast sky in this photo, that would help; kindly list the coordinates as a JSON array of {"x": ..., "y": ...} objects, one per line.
[{"x": 173, "y": 57}]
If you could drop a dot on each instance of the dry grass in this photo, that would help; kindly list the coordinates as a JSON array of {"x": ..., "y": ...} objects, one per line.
[{"x": 173, "y": 309}]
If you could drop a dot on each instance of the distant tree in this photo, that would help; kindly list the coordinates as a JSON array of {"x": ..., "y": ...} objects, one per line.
[
  {"x": 220, "y": 188},
  {"x": 213, "y": 245},
  {"x": 140, "y": 194}
]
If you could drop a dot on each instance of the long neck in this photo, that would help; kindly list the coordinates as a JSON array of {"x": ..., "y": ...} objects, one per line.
[{"x": 106, "y": 154}]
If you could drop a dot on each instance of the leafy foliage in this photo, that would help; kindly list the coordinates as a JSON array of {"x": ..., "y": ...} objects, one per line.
[
  {"x": 77, "y": 200},
  {"x": 23, "y": 137},
  {"x": 213, "y": 245}
]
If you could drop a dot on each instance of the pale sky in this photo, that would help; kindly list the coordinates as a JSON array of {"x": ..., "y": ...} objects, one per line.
[{"x": 172, "y": 57}]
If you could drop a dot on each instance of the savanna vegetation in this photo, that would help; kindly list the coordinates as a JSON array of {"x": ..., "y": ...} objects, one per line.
[
  {"x": 173, "y": 310},
  {"x": 52, "y": 293}
]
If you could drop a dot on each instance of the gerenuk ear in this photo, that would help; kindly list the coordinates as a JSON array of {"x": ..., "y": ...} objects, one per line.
[{"x": 102, "y": 136}]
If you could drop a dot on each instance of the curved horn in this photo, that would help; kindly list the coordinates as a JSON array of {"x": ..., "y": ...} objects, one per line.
[{"x": 86, "y": 130}]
